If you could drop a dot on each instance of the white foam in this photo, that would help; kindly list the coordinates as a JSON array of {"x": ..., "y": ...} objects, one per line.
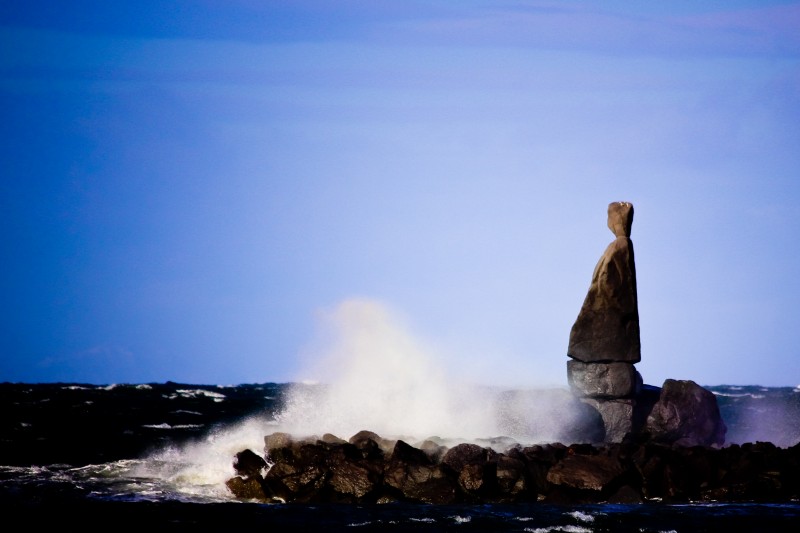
[
  {"x": 370, "y": 373},
  {"x": 187, "y": 393},
  {"x": 583, "y": 517},
  {"x": 168, "y": 426},
  {"x": 739, "y": 395},
  {"x": 565, "y": 529}
]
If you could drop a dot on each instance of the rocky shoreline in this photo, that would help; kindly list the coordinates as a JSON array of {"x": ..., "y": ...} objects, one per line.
[
  {"x": 643, "y": 443},
  {"x": 370, "y": 469}
]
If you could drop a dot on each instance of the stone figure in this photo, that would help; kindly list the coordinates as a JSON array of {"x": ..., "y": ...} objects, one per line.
[{"x": 604, "y": 345}]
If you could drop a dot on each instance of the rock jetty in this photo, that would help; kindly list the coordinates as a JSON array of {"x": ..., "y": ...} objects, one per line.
[{"x": 370, "y": 469}]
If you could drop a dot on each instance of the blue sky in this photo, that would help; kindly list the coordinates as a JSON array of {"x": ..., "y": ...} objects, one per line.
[{"x": 188, "y": 187}]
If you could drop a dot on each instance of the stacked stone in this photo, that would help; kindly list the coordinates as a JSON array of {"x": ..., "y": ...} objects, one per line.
[{"x": 604, "y": 342}]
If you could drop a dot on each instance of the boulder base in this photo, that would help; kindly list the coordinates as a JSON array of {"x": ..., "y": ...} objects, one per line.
[
  {"x": 603, "y": 380},
  {"x": 686, "y": 414}
]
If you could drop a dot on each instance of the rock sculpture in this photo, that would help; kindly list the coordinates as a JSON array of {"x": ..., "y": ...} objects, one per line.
[
  {"x": 604, "y": 342},
  {"x": 607, "y": 327},
  {"x": 604, "y": 345}
]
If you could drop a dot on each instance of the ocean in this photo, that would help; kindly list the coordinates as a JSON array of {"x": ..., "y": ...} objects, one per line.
[{"x": 85, "y": 457}]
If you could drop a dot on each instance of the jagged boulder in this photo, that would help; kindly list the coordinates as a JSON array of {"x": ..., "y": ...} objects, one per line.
[
  {"x": 617, "y": 415},
  {"x": 299, "y": 472},
  {"x": 511, "y": 479},
  {"x": 351, "y": 476},
  {"x": 686, "y": 414},
  {"x": 249, "y": 464},
  {"x": 411, "y": 472},
  {"x": 464, "y": 454},
  {"x": 586, "y": 472}
]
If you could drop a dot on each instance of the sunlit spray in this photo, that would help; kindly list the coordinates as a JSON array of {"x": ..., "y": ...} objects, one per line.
[
  {"x": 367, "y": 371},
  {"x": 374, "y": 374}
]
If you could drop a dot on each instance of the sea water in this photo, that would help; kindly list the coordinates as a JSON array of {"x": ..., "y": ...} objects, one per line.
[{"x": 75, "y": 456}]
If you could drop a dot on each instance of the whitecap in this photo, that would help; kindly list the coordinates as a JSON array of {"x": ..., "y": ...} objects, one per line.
[
  {"x": 168, "y": 426},
  {"x": 565, "y": 529},
  {"x": 186, "y": 393},
  {"x": 583, "y": 517}
]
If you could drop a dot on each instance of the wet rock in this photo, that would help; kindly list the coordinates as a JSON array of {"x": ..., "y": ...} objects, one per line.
[
  {"x": 603, "y": 380},
  {"x": 477, "y": 478},
  {"x": 276, "y": 441},
  {"x": 686, "y": 414},
  {"x": 368, "y": 443},
  {"x": 590, "y": 472},
  {"x": 433, "y": 450},
  {"x": 351, "y": 478},
  {"x": 511, "y": 479},
  {"x": 249, "y": 464},
  {"x": 329, "y": 438},
  {"x": 629, "y": 472},
  {"x": 617, "y": 417},
  {"x": 464, "y": 454},
  {"x": 247, "y": 489},
  {"x": 299, "y": 472},
  {"x": 412, "y": 474}
]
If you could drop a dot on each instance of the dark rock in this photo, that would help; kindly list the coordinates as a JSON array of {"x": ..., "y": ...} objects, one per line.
[
  {"x": 350, "y": 478},
  {"x": 276, "y": 441},
  {"x": 410, "y": 471},
  {"x": 617, "y": 417},
  {"x": 371, "y": 443},
  {"x": 625, "y": 495},
  {"x": 329, "y": 438},
  {"x": 477, "y": 478},
  {"x": 645, "y": 400},
  {"x": 464, "y": 454},
  {"x": 248, "y": 464},
  {"x": 686, "y": 414},
  {"x": 603, "y": 380},
  {"x": 628, "y": 472},
  {"x": 299, "y": 472},
  {"x": 511, "y": 479},
  {"x": 247, "y": 489},
  {"x": 368, "y": 448},
  {"x": 433, "y": 450},
  {"x": 591, "y": 472}
]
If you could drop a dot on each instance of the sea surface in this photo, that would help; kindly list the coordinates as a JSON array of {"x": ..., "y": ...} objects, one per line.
[{"x": 86, "y": 457}]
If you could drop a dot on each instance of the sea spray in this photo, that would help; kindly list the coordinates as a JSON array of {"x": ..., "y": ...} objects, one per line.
[
  {"x": 200, "y": 468},
  {"x": 366, "y": 370},
  {"x": 372, "y": 373}
]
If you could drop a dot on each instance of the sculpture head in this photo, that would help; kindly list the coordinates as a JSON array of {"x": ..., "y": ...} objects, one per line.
[{"x": 620, "y": 218}]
